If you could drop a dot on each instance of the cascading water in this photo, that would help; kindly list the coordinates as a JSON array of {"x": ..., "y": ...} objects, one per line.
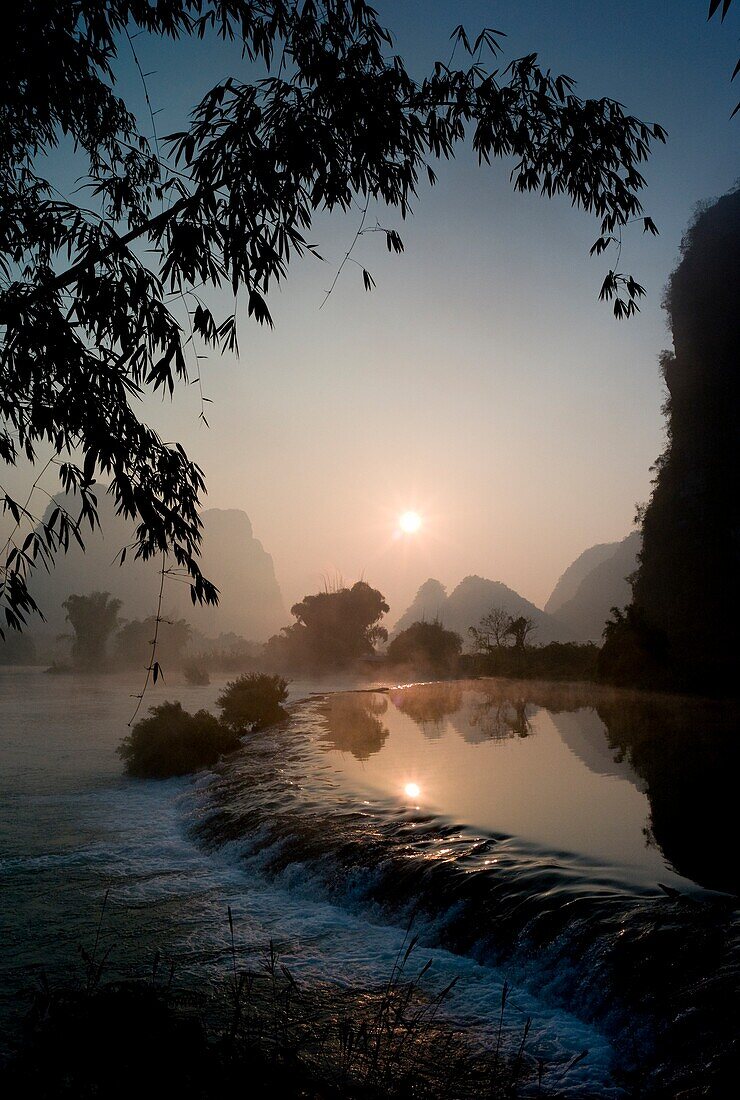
[{"x": 650, "y": 969}]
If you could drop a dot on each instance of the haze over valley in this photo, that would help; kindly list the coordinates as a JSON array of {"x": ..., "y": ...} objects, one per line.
[{"x": 252, "y": 605}]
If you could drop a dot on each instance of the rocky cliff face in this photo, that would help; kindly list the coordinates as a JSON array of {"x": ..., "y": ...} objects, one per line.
[
  {"x": 426, "y": 606},
  {"x": 688, "y": 586},
  {"x": 250, "y": 602},
  {"x": 470, "y": 601},
  {"x": 599, "y": 589},
  {"x": 570, "y": 581}
]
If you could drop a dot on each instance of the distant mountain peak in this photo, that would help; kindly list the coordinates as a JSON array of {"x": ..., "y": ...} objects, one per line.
[
  {"x": 470, "y": 600},
  {"x": 567, "y": 584},
  {"x": 426, "y": 605},
  {"x": 431, "y": 589},
  {"x": 473, "y": 582},
  {"x": 231, "y": 515}
]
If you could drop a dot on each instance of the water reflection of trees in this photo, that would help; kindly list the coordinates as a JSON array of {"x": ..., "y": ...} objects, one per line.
[
  {"x": 499, "y": 719},
  {"x": 684, "y": 752},
  {"x": 430, "y": 704},
  {"x": 353, "y": 723},
  {"x": 479, "y": 711}
]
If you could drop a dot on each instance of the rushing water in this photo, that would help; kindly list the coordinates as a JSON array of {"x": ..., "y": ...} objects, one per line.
[{"x": 523, "y": 830}]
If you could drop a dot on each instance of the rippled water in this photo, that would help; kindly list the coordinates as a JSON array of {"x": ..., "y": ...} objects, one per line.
[{"x": 545, "y": 819}]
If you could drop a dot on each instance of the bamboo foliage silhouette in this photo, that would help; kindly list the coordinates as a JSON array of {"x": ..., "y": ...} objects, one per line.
[{"x": 103, "y": 300}]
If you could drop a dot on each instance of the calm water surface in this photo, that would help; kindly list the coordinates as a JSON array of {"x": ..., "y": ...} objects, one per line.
[
  {"x": 505, "y": 766},
  {"x": 522, "y": 829}
]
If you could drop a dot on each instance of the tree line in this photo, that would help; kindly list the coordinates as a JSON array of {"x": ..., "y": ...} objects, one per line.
[{"x": 334, "y": 630}]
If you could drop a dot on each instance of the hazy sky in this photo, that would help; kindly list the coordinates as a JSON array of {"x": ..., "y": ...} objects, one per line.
[{"x": 482, "y": 383}]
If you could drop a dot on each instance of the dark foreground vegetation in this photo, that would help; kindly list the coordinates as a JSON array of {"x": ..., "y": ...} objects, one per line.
[
  {"x": 263, "y": 1033},
  {"x": 171, "y": 741}
]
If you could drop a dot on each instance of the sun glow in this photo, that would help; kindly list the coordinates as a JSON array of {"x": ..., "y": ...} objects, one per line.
[
  {"x": 412, "y": 790},
  {"x": 409, "y": 522}
]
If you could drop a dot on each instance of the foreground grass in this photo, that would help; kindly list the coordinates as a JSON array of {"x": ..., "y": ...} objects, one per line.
[{"x": 264, "y": 1033}]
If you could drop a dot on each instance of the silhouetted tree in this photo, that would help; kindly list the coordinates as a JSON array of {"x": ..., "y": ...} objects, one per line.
[
  {"x": 426, "y": 646},
  {"x": 93, "y": 619},
  {"x": 133, "y": 643},
  {"x": 93, "y": 290},
  {"x": 681, "y": 628},
  {"x": 519, "y": 630},
  {"x": 492, "y": 631},
  {"x": 334, "y": 629}
]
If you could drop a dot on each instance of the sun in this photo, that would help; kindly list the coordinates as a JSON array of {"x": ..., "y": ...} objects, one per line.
[
  {"x": 409, "y": 522},
  {"x": 412, "y": 790}
]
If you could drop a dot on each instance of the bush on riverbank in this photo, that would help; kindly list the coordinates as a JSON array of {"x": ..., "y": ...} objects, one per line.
[
  {"x": 196, "y": 674},
  {"x": 253, "y": 701},
  {"x": 171, "y": 741},
  {"x": 426, "y": 646}
]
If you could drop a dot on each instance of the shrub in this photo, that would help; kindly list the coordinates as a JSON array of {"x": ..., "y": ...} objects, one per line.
[
  {"x": 426, "y": 646},
  {"x": 196, "y": 674},
  {"x": 171, "y": 741},
  {"x": 253, "y": 701}
]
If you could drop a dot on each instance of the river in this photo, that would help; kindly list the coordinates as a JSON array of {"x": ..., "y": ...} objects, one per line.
[{"x": 569, "y": 841}]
